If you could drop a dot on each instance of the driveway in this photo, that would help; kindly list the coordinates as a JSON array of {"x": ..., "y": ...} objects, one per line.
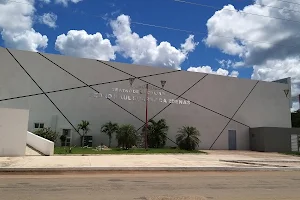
[{"x": 252, "y": 158}]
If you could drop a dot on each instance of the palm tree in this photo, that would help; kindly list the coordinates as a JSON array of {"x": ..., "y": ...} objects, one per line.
[
  {"x": 188, "y": 138},
  {"x": 126, "y": 136},
  {"x": 109, "y": 129},
  {"x": 157, "y": 133},
  {"x": 84, "y": 126}
]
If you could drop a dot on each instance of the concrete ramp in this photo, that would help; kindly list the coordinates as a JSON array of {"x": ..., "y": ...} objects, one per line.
[
  {"x": 46, "y": 147},
  {"x": 31, "y": 152}
]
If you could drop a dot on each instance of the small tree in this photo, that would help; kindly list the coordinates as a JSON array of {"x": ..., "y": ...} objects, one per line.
[
  {"x": 47, "y": 133},
  {"x": 63, "y": 139},
  {"x": 126, "y": 136},
  {"x": 188, "y": 138},
  {"x": 84, "y": 127},
  {"x": 109, "y": 128},
  {"x": 157, "y": 133}
]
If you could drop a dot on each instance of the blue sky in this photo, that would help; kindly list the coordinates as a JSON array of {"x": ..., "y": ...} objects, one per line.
[
  {"x": 257, "y": 47},
  {"x": 159, "y": 12}
]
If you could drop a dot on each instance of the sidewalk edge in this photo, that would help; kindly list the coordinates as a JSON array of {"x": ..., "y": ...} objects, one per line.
[{"x": 99, "y": 169}]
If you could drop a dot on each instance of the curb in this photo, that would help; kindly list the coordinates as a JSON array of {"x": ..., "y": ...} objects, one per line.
[
  {"x": 157, "y": 169},
  {"x": 262, "y": 161}
]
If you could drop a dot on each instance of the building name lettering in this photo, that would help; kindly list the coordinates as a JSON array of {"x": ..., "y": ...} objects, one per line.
[
  {"x": 135, "y": 91},
  {"x": 154, "y": 96}
]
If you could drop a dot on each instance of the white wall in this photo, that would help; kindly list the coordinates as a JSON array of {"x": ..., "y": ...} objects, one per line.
[
  {"x": 13, "y": 128},
  {"x": 267, "y": 105},
  {"x": 41, "y": 144}
]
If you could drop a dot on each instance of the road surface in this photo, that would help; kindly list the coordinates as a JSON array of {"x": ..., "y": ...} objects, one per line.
[{"x": 153, "y": 186}]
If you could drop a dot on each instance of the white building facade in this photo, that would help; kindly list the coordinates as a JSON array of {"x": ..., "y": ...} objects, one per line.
[{"x": 61, "y": 91}]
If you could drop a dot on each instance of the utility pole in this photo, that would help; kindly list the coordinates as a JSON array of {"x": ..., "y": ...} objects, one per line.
[
  {"x": 146, "y": 130},
  {"x": 131, "y": 80}
]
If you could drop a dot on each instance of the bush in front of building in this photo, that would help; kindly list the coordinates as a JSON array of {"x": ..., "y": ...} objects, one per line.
[
  {"x": 188, "y": 138},
  {"x": 126, "y": 136},
  {"x": 47, "y": 133},
  {"x": 157, "y": 133}
]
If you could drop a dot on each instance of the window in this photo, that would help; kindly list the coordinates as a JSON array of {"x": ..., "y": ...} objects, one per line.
[{"x": 39, "y": 125}]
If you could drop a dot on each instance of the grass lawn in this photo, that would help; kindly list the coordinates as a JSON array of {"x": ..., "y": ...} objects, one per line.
[
  {"x": 81, "y": 151},
  {"x": 293, "y": 153}
]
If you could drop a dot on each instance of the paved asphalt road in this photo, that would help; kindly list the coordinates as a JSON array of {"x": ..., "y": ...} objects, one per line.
[{"x": 156, "y": 186}]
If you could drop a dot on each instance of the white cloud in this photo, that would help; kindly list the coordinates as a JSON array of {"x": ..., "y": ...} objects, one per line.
[
  {"x": 230, "y": 64},
  {"x": 270, "y": 45},
  {"x": 225, "y": 63},
  {"x": 66, "y": 2},
  {"x": 80, "y": 43},
  {"x": 209, "y": 70},
  {"x": 145, "y": 50},
  {"x": 45, "y": 1},
  {"x": 238, "y": 64},
  {"x": 295, "y": 106},
  {"x": 278, "y": 69},
  {"x": 63, "y": 2},
  {"x": 234, "y": 74},
  {"x": 255, "y": 38},
  {"x": 25, "y": 40},
  {"x": 16, "y": 21},
  {"x": 49, "y": 19}
]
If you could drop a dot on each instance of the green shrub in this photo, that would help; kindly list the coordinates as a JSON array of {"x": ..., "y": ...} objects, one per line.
[
  {"x": 157, "y": 133},
  {"x": 47, "y": 133},
  {"x": 188, "y": 138},
  {"x": 126, "y": 136}
]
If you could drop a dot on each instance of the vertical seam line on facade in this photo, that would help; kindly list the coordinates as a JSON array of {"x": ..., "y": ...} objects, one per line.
[
  {"x": 42, "y": 90},
  {"x": 79, "y": 87},
  {"x": 234, "y": 114},
  {"x": 172, "y": 93},
  {"x": 91, "y": 87},
  {"x": 171, "y": 104}
]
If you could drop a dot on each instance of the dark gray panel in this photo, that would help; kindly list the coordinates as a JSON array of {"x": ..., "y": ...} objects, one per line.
[{"x": 232, "y": 140}]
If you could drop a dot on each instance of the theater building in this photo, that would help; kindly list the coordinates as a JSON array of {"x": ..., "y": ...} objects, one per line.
[{"x": 60, "y": 91}]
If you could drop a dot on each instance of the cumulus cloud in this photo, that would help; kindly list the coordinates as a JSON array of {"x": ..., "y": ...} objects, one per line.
[
  {"x": 278, "y": 69},
  {"x": 146, "y": 50},
  {"x": 25, "y": 40},
  {"x": 16, "y": 21},
  {"x": 234, "y": 73},
  {"x": 270, "y": 45},
  {"x": 209, "y": 70},
  {"x": 49, "y": 19},
  {"x": 81, "y": 44},
  {"x": 255, "y": 38}
]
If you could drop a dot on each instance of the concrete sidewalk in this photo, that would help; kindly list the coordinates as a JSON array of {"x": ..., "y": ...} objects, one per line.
[{"x": 213, "y": 161}]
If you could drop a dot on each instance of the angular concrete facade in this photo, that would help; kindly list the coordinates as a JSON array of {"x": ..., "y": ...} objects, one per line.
[{"x": 83, "y": 89}]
